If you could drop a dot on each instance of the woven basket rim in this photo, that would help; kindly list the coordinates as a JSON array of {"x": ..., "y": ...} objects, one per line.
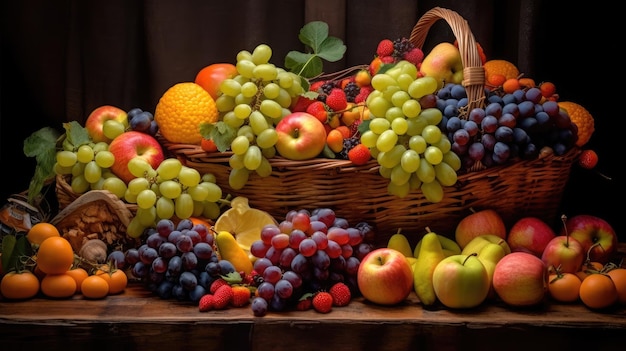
[{"x": 473, "y": 71}]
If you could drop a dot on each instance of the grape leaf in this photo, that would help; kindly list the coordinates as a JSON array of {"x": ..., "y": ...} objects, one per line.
[
  {"x": 14, "y": 248},
  {"x": 221, "y": 133},
  {"x": 314, "y": 35},
  {"x": 76, "y": 134},
  {"x": 42, "y": 146}
]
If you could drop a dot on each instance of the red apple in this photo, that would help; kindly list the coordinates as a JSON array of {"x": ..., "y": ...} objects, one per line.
[
  {"x": 520, "y": 279},
  {"x": 483, "y": 222},
  {"x": 530, "y": 234},
  {"x": 461, "y": 281},
  {"x": 385, "y": 276},
  {"x": 211, "y": 76},
  {"x": 596, "y": 235},
  {"x": 96, "y": 120},
  {"x": 131, "y": 144},
  {"x": 565, "y": 252},
  {"x": 301, "y": 136}
]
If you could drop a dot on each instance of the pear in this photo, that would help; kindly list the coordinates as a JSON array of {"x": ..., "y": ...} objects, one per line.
[
  {"x": 229, "y": 250},
  {"x": 449, "y": 246},
  {"x": 490, "y": 255},
  {"x": 430, "y": 254},
  {"x": 400, "y": 242}
]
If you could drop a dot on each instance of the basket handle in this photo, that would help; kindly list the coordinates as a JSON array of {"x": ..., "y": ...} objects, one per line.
[{"x": 473, "y": 71}]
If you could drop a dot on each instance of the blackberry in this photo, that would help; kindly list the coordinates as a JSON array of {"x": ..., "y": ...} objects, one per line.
[
  {"x": 401, "y": 47},
  {"x": 348, "y": 144},
  {"x": 351, "y": 90},
  {"x": 325, "y": 89}
]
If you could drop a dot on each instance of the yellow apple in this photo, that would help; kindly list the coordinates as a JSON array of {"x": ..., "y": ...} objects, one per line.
[{"x": 443, "y": 63}]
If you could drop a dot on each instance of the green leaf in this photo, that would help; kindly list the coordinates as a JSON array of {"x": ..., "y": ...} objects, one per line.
[
  {"x": 76, "y": 133},
  {"x": 332, "y": 49},
  {"x": 42, "y": 146},
  {"x": 223, "y": 135},
  {"x": 313, "y": 34},
  {"x": 364, "y": 126},
  {"x": 8, "y": 245}
]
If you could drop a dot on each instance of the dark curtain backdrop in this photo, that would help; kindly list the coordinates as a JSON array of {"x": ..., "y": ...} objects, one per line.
[{"x": 63, "y": 58}]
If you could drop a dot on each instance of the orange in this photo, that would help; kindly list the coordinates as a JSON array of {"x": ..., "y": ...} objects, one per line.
[
  {"x": 94, "y": 287},
  {"x": 182, "y": 109},
  {"x": 79, "y": 274},
  {"x": 19, "y": 286},
  {"x": 618, "y": 275},
  {"x": 598, "y": 291},
  {"x": 55, "y": 255},
  {"x": 58, "y": 285},
  {"x": 40, "y": 231},
  {"x": 581, "y": 118},
  {"x": 564, "y": 287},
  {"x": 503, "y": 67},
  {"x": 117, "y": 280}
]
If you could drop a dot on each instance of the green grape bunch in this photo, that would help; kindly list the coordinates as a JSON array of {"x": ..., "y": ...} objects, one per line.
[
  {"x": 405, "y": 139},
  {"x": 252, "y": 103}
]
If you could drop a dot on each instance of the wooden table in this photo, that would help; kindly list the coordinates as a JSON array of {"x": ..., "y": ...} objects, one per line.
[{"x": 138, "y": 320}]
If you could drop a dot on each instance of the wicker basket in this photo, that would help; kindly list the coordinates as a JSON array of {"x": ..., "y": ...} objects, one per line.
[
  {"x": 359, "y": 193},
  {"x": 66, "y": 196}
]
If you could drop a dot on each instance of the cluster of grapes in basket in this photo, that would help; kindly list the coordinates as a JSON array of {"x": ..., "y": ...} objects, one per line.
[
  {"x": 308, "y": 252},
  {"x": 250, "y": 105},
  {"x": 509, "y": 126}
]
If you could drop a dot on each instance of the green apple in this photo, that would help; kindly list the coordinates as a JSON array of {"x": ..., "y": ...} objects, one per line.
[
  {"x": 444, "y": 64},
  {"x": 461, "y": 281},
  {"x": 479, "y": 242}
]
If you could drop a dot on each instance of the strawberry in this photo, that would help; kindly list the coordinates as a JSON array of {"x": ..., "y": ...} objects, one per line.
[
  {"x": 241, "y": 296},
  {"x": 318, "y": 109},
  {"x": 305, "y": 302},
  {"x": 385, "y": 48},
  {"x": 337, "y": 100},
  {"x": 223, "y": 296},
  {"x": 216, "y": 284},
  {"x": 206, "y": 303},
  {"x": 415, "y": 56},
  {"x": 322, "y": 302},
  {"x": 302, "y": 103},
  {"x": 588, "y": 159},
  {"x": 315, "y": 86},
  {"x": 341, "y": 294},
  {"x": 359, "y": 155}
]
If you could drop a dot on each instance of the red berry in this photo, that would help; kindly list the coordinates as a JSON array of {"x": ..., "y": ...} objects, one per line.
[
  {"x": 588, "y": 159},
  {"x": 359, "y": 155},
  {"x": 322, "y": 302},
  {"x": 385, "y": 48},
  {"x": 337, "y": 100},
  {"x": 341, "y": 294},
  {"x": 206, "y": 303}
]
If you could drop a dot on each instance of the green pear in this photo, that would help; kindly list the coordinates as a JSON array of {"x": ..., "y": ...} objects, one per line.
[
  {"x": 449, "y": 246},
  {"x": 490, "y": 255},
  {"x": 430, "y": 254},
  {"x": 400, "y": 242},
  {"x": 479, "y": 242}
]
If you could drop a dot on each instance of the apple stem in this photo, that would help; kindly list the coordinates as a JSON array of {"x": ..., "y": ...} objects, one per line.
[
  {"x": 468, "y": 256},
  {"x": 564, "y": 220}
]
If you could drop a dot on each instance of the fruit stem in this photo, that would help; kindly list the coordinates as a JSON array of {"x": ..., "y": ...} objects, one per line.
[{"x": 468, "y": 256}]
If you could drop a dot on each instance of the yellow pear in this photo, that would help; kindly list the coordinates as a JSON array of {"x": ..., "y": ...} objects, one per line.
[
  {"x": 400, "y": 242},
  {"x": 449, "y": 246},
  {"x": 229, "y": 249},
  {"x": 430, "y": 254},
  {"x": 443, "y": 63},
  {"x": 490, "y": 255}
]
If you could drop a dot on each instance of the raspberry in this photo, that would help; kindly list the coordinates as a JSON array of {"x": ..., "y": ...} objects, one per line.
[
  {"x": 206, "y": 303},
  {"x": 341, "y": 294},
  {"x": 385, "y": 48},
  {"x": 336, "y": 100},
  {"x": 223, "y": 296},
  {"x": 359, "y": 155},
  {"x": 315, "y": 86},
  {"x": 415, "y": 56},
  {"x": 304, "y": 303},
  {"x": 588, "y": 159},
  {"x": 322, "y": 302},
  {"x": 241, "y": 296},
  {"x": 364, "y": 92}
]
